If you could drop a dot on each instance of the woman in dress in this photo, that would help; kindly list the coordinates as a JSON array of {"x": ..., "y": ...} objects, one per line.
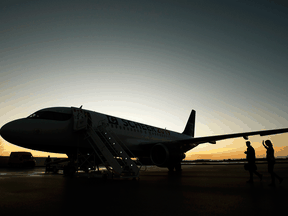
[{"x": 271, "y": 161}]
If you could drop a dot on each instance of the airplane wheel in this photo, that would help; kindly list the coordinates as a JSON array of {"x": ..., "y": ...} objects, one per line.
[
  {"x": 104, "y": 177},
  {"x": 178, "y": 167},
  {"x": 171, "y": 168},
  {"x": 136, "y": 179},
  {"x": 69, "y": 171}
]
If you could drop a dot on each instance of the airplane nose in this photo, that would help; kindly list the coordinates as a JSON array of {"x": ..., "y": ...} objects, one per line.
[
  {"x": 6, "y": 131},
  {"x": 13, "y": 130}
]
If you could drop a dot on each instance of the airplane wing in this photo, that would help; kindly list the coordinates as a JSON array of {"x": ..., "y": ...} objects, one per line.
[{"x": 187, "y": 144}]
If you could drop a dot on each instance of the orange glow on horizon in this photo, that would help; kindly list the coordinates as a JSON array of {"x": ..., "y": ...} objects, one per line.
[
  {"x": 226, "y": 149},
  {"x": 260, "y": 153},
  {"x": 237, "y": 147},
  {"x": 6, "y": 148}
]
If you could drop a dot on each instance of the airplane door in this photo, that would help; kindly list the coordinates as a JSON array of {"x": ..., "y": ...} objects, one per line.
[{"x": 80, "y": 119}]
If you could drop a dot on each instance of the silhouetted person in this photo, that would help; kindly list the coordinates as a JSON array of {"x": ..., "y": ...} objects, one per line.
[
  {"x": 47, "y": 163},
  {"x": 271, "y": 161},
  {"x": 251, "y": 166}
]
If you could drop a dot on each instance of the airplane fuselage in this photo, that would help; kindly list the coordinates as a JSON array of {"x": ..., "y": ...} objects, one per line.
[
  {"x": 51, "y": 130},
  {"x": 69, "y": 130}
]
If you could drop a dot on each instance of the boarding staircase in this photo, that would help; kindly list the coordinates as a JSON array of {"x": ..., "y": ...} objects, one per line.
[{"x": 114, "y": 155}]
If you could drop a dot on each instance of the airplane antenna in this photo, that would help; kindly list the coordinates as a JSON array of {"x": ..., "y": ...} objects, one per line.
[{"x": 81, "y": 106}]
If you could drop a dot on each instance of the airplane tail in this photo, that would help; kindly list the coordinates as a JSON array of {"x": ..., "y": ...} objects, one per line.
[{"x": 190, "y": 126}]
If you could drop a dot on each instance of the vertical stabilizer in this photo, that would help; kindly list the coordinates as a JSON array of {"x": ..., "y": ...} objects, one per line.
[{"x": 190, "y": 126}]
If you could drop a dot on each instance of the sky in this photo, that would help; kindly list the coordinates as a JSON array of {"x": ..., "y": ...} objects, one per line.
[{"x": 151, "y": 62}]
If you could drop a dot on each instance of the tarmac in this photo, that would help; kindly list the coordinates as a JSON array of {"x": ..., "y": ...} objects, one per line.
[{"x": 198, "y": 190}]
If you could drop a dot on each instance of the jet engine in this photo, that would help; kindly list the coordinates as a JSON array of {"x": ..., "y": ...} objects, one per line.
[{"x": 164, "y": 155}]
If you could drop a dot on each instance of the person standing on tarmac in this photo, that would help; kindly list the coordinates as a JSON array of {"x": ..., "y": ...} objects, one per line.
[
  {"x": 251, "y": 166},
  {"x": 47, "y": 163},
  {"x": 271, "y": 161}
]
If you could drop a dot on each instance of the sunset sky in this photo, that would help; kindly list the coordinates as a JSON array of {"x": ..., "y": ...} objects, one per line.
[{"x": 151, "y": 62}]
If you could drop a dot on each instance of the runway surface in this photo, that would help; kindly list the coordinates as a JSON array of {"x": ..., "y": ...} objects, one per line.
[{"x": 199, "y": 190}]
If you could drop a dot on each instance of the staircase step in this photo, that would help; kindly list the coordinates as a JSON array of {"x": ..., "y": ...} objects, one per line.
[{"x": 112, "y": 152}]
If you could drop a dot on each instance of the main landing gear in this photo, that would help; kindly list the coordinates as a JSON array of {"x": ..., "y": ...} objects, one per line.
[{"x": 176, "y": 167}]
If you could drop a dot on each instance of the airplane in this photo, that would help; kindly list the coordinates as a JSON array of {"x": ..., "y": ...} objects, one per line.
[{"x": 64, "y": 130}]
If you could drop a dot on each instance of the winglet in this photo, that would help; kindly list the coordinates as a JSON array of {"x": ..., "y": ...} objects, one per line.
[{"x": 190, "y": 126}]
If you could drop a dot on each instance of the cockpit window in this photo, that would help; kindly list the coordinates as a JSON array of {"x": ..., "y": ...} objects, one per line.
[{"x": 51, "y": 116}]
